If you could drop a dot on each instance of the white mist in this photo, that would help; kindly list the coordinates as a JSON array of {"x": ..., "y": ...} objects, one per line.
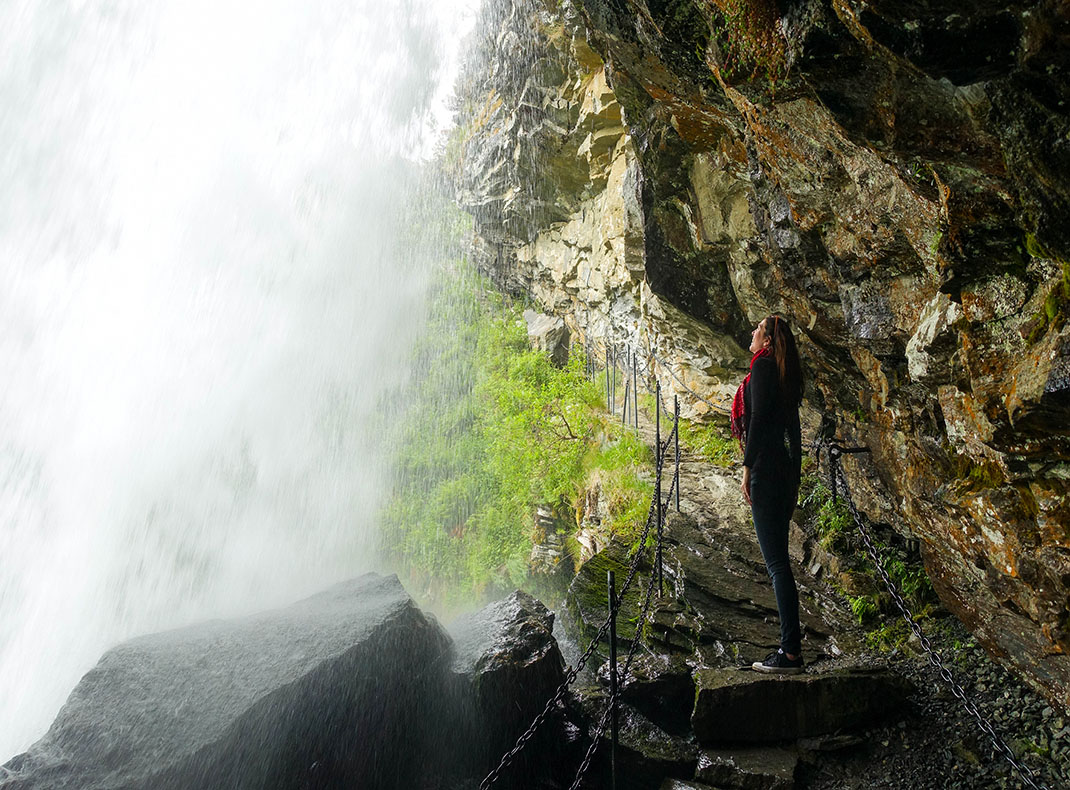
[{"x": 206, "y": 285}]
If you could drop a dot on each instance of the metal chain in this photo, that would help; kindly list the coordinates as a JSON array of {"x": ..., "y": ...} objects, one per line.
[
  {"x": 573, "y": 672},
  {"x": 600, "y": 730},
  {"x": 647, "y": 371},
  {"x": 668, "y": 441},
  {"x": 935, "y": 659},
  {"x": 570, "y": 676},
  {"x": 714, "y": 406}
]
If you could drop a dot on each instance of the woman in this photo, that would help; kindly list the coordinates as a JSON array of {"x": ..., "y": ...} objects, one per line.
[{"x": 765, "y": 418}]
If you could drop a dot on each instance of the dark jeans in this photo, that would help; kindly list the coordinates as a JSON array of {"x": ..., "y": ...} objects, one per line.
[{"x": 772, "y": 503}]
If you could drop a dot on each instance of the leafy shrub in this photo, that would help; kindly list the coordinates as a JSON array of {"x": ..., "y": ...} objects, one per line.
[
  {"x": 491, "y": 431},
  {"x": 872, "y": 606}
]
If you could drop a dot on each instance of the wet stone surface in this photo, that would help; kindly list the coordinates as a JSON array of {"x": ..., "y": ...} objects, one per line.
[
  {"x": 270, "y": 701},
  {"x": 733, "y": 706},
  {"x": 749, "y": 768}
]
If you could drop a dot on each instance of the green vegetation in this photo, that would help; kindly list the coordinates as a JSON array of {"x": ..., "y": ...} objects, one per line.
[
  {"x": 491, "y": 431},
  {"x": 832, "y": 518},
  {"x": 750, "y": 44},
  {"x": 616, "y": 467},
  {"x": 858, "y": 580},
  {"x": 709, "y": 441},
  {"x": 1056, "y": 308}
]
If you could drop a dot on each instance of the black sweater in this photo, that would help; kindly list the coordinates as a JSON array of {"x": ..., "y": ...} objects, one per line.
[{"x": 774, "y": 439}]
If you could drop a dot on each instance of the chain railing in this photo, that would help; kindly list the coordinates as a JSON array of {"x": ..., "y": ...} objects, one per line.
[
  {"x": 838, "y": 482},
  {"x": 612, "y": 702},
  {"x": 644, "y": 371},
  {"x": 655, "y": 515}
]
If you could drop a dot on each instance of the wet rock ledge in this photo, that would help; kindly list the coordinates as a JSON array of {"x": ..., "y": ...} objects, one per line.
[{"x": 356, "y": 687}]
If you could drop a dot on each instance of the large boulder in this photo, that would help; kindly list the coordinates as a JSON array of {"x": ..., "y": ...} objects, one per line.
[
  {"x": 548, "y": 333},
  {"x": 588, "y": 595},
  {"x": 658, "y": 685},
  {"x": 509, "y": 664},
  {"x": 329, "y": 692},
  {"x": 646, "y": 753}
]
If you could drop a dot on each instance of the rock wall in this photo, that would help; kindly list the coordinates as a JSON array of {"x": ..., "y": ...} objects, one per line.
[{"x": 893, "y": 177}]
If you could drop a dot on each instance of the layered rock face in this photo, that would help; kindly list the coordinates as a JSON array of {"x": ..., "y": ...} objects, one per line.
[{"x": 892, "y": 177}]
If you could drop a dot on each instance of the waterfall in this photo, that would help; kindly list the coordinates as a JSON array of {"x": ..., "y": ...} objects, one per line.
[{"x": 209, "y": 267}]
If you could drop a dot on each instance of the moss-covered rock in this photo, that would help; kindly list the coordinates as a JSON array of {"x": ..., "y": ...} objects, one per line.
[{"x": 588, "y": 595}]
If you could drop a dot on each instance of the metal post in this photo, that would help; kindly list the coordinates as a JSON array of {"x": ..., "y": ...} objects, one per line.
[
  {"x": 608, "y": 407},
  {"x": 624, "y": 410},
  {"x": 613, "y": 716},
  {"x": 657, "y": 479},
  {"x": 676, "y": 471},
  {"x": 635, "y": 390},
  {"x": 832, "y": 471},
  {"x": 612, "y": 380}
]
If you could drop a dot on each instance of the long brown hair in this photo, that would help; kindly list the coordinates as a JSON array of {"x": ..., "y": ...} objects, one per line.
[{"x": 786, "y": 354}]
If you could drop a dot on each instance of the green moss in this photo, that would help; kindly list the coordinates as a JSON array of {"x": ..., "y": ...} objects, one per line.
[
  {"x": 750, "y": 43},
  {"x": 976, "y": 475},
  {"x": 1035, "y": 248},
  {"x": 1055, "y": 311},
  {"x": 588, "y": 597},
  {"x": 888, "y": 636},
  {"x": 934, "y": 245},
  {"x": 858, "y": 581}
]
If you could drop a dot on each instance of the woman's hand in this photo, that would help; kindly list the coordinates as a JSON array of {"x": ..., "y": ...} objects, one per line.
[{"x": 746, "y": 483}]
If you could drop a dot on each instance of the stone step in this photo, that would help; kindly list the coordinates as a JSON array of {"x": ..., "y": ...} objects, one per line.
[
  {"x": 680, "y": 784},
  {"x": 646, "y": 753},
  {"x": 660, "y": 687},
  {"x": 741, "y": 706},
  {"x": 760, "y": 768}
]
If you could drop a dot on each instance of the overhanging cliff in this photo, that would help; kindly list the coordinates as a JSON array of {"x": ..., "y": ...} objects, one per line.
[{"x": 892, "y": 176}]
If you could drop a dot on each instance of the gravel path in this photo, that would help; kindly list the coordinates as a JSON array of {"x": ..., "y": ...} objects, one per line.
[{"x": 941, "y": 746}]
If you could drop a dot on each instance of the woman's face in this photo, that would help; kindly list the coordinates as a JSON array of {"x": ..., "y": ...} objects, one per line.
[{"x": 758, "y": 338}]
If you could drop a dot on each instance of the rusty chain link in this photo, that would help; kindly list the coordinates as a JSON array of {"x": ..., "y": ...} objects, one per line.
[{"x": 839, "y": 480}]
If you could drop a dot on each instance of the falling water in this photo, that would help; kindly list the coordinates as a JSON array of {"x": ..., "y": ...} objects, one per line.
[{"x": 207, "y": 281}]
